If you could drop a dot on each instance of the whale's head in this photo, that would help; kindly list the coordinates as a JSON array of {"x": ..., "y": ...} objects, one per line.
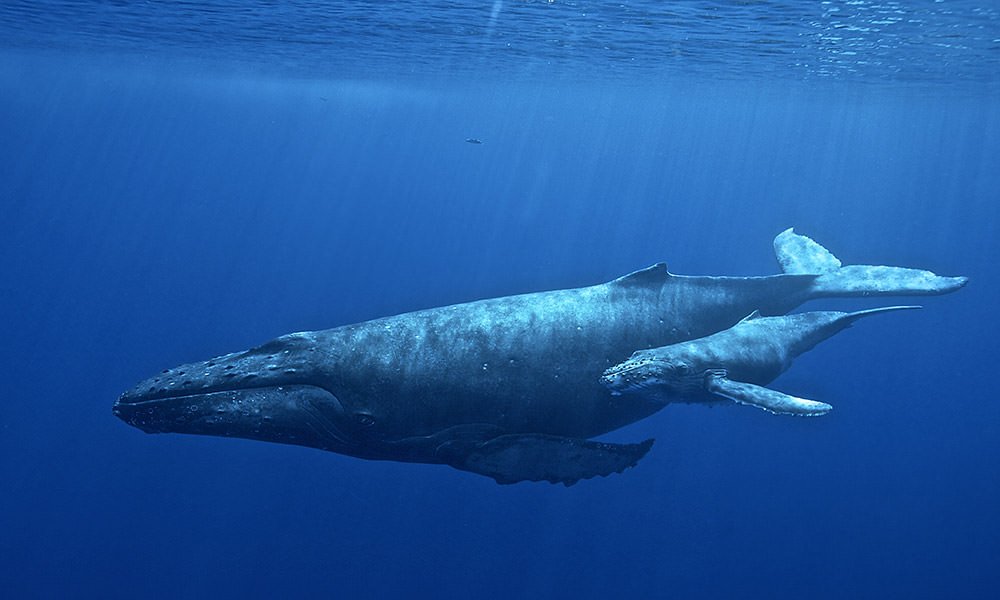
[
  {"x": 277, "y": 392},
  {"x": 665, "y": 371}
]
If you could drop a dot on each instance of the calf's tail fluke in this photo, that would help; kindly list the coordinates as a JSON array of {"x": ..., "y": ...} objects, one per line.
[{"x": 798, "y": 254}]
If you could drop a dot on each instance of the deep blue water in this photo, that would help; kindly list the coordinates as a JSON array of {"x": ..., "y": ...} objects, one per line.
[{"x": 181, "y": 180}]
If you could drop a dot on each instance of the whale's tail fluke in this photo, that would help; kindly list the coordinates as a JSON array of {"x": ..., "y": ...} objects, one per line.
[{"x": 801, "y": 255}]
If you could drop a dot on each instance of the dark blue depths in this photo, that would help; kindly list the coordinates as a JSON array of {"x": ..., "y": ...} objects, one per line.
[{"x": 158, "y": 216}]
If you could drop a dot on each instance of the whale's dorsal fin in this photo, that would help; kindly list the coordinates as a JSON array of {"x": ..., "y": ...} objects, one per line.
[
  {"x": 764, "y": 398},
  {"x": 751, "y": 317},
  {"x": 653, "y": 275}
]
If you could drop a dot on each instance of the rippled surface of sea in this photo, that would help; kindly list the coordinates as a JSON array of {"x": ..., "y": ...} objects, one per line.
[{"x": 937, "y": 42}]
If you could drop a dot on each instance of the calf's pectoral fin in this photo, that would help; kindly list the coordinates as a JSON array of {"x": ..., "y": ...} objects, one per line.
[
  {"x": 539, "y": 457},
  {"x": 770, "y": 400}
]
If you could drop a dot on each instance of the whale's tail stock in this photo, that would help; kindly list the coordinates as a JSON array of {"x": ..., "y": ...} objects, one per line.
[{"x": 801, "y": 255}]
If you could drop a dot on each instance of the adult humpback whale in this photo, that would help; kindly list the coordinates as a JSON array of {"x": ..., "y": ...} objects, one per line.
[
  {"x": 508, "y": 387},
  {"x": 735, "y": 363}
]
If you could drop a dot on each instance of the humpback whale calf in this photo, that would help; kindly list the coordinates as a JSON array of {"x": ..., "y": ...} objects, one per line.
[
  {"x": 735, "y": 363},
  {"x": 507, "y": 387}
]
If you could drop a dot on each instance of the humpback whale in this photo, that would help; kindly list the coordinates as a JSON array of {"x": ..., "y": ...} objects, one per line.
[
  {"x": 509, "y": 387},
  {"x": 735, "y": 363}
]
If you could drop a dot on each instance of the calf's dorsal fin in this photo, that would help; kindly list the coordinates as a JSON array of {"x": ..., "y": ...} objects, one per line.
[{"x": 751, "y": 317}]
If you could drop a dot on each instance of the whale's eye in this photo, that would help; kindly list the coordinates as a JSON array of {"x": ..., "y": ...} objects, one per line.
[{"x": 364, "y": 419}]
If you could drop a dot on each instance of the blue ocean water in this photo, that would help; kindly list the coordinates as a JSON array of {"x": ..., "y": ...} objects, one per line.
[{"x": 180, "y": 180}]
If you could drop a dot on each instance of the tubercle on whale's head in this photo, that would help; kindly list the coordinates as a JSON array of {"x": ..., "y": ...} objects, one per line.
[
  {"x": 286, "y": 360},
  {"x": 282, "y": 391},
  {"x": 649, "y": 370}
]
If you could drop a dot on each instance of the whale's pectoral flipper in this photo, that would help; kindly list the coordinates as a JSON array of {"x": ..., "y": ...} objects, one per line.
[
  {"x": 800, "y": 255},
  {"x": 770, "y": 400},
  {"x": 540, "y": 457}
]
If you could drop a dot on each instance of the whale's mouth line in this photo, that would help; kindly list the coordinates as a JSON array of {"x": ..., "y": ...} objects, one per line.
[
  {"x": 294, "y": 413},
  {"x": 147, "y": 400},
  {"x": 146, "y": 394}
]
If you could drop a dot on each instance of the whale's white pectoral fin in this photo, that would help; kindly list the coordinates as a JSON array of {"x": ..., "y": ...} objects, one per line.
[
  {"x": 539, "y": 457},
  {"x": 767, "y": 399}
]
